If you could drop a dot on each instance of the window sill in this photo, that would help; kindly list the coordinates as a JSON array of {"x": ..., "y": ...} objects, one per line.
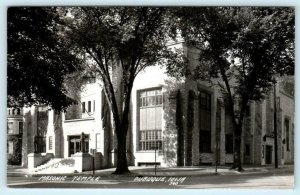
[
  {"x": 148, "y": 151},
  {"x": 81, "y": 119}
]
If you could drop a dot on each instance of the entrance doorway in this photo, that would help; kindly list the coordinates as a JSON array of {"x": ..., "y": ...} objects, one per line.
[
  {"x": 268, "y": 154},
  {"x": 75, "y": 144}
]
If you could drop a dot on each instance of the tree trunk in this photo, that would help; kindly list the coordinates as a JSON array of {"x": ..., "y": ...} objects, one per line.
[
  {"x": 122, "y": 129},
  {"x": 237, "y": 163},
  {"x": 122, "y": 166}
]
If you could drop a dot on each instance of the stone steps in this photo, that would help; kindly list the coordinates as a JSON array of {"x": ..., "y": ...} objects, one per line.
[{"x": 57, "y": 165}]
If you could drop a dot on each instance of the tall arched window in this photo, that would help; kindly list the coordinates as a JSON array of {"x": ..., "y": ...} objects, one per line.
[
  {"x": 205, "y": 121},
  {"x": 150, "y": 119}
]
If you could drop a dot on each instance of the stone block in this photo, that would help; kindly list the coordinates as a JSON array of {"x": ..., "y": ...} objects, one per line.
[{"x": 83, "y": 162}]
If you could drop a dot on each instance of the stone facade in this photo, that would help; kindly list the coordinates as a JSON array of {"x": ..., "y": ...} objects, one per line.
[{"x": 35, "y": 129}]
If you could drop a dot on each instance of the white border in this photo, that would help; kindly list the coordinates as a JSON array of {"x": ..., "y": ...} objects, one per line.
[{"x": 3, "y": 92}]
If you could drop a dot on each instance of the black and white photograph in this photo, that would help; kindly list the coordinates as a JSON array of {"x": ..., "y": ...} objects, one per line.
[{"x": 150, "y": 97}]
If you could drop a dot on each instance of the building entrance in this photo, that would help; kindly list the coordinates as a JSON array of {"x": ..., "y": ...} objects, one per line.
[
  {"x": 268, "y": 154},
  {"x": 75, "y": 144}
]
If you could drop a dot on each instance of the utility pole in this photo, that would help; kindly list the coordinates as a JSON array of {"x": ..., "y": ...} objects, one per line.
[
  {"x": 275, "y": 129},
  {"x": 155, "y": 160},
  {"x": 154, "y": 148}
]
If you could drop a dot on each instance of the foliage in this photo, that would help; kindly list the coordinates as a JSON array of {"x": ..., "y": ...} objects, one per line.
[
  {"x": 246, "y": 47},
  {"x": 244, "y": 42},
  {"x": 38, "y": 58},
  {"x": 118, "y": 43}
]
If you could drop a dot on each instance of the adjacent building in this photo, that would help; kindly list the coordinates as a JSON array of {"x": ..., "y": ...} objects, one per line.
[{"x": 14, "y": 135}]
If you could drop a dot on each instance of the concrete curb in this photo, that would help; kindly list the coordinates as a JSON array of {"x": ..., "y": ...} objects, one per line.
[{"x": 164, "y": 172}]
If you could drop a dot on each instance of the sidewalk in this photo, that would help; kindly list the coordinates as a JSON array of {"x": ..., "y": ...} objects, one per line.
[
  {"x": 164, "y": 171},
  {"x": 197, "y": 171}
]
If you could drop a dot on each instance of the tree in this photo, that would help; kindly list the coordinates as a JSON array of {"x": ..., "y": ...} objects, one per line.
[
  {"x": 38, "y": 58},
  {"x": 247, "y": 48},
  {"x": 119, "y": 42}
]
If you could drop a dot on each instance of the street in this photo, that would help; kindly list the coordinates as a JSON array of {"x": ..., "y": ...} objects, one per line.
[{"x": 255, "y": 181}]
